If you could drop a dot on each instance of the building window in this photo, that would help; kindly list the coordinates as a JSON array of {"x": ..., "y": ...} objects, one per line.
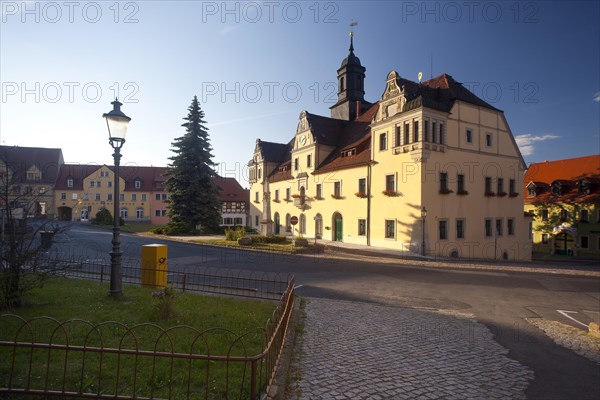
[
  {"x": 383, "y": 141},
  {"x": 512, "y": 188},
  {"x": 138, "y": 184},
  {"x": 139, "y": 213},
  {"x": 510, "y": 227},
  {"x": 398, "y": 136},
  {"x": 92, "y": 184},
  {"x": 277, "y": 195},
  {"x": 390, "y": 183},
  {"x": 309, "y": 160},
  {"x": 443, "y": 229},
  {"x": 442, "y": 137},
  {"x": 237, "y": 220},
  {"x": 337, "y": 189},
  {"x": 157, "y": 196},
  {"x": 256, "y": 220},
  {"x": 42, "y": 190},
  {"x": 544, "y": 238},
  {"x": 433, "y": 133},
  {"x": 362, "y": 227},
  {"x": 74, "y": 196},
  {"x": 499, "y": 227},
  {"x": 531, "y": 191},
  {"x": 500, "y": 184},
  {"x": 416, "y": 131},
  {"x": 362, "y": 186},
  {"x": 460, "y": 184},
  {"x": 109, "y": 184},
  {"x": 144, "y": 197},
  {"x": 287, "y": 194},
  {"x": 544, "y": 215},
  {"x": 133, "y": 197},
  {"x": 302, "y": 224},
  {"x": 69, "y": 182},
  {"x": 488, "y": 139},
  {"x": 319, "y": 191},
  {"x": 104, "y": 174},
  {"x": 460, "y": 228},
  {"x": 406, "y": 133},
  {"x": 124, "y": 213},
  {"x": 97, "y": 197},
  {"x": 164, "y": 197},
  {"x": 488, "y": 185},
  {"x": 469, "y": 136},
  {"x": 488, "y": 227},
  {"x": 122, "y": 197},
  {"x": 584, "y": 216},
  {"x": 157, "y": 213},
  {"x": 296, "y": 164},
  {"x": 109, "y": 197},
  {"x": 564, "y": 215},
  {"x": 444, "y": 182},
  {"x": 390, "y": 229},
  {"x": 426, "y": 131},
  {"x": 256, "y": 197}
]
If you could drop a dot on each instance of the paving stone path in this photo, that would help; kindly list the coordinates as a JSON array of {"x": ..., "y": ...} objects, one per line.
[{"x": 364, "y": 351}]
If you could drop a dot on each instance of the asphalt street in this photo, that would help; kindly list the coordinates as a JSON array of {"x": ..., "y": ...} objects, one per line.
[{"x": 501, "y": 300}]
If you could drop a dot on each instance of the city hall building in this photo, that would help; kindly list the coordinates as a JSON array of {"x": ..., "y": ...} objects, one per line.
[{"x": 429, "y": 168}]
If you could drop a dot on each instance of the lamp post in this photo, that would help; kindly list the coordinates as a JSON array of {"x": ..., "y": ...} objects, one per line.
[
  {"x": 423, "y": 216},
  {"x": 117, "y": 124}
]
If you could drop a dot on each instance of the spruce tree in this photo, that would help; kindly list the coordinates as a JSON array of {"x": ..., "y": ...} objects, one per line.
[{"x": 193, "y": 194}]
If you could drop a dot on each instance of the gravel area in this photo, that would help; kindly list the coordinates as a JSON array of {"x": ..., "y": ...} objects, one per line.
[{"x": 572, "y": 338}]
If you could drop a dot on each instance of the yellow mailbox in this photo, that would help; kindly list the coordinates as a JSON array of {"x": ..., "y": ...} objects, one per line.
[{"x": 154, "y": 265}]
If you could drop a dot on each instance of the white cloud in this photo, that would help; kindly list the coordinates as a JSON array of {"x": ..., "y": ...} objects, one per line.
[
  {"x": 597, "y": 96},
  {"x": 526, "y": 142}
]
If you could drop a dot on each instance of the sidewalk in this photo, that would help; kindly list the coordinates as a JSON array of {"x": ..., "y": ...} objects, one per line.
[{"x": 358, "y": 351}]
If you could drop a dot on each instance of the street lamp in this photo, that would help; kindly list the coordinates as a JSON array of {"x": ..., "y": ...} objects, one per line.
[
  {"x": 117, "y": 124},
  {"x": 423, "y": 216}
]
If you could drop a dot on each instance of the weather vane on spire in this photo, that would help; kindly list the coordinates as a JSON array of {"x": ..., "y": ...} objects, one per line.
[{"x": 353, "y": 23}]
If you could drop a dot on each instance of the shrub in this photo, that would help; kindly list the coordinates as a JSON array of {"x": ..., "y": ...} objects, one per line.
[
  {"x": 269, "y": 239},
  {"x": 104, "y": 217},
  {"x": 233, "y": 234},
  {"x": 178, "y": 228}
]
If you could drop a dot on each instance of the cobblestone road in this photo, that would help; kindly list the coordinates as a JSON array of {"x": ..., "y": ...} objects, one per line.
[{"x": 364, "y": 351}]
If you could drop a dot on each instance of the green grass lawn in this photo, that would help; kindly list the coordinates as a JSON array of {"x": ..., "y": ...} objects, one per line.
[{"x": 138, "y": 325}]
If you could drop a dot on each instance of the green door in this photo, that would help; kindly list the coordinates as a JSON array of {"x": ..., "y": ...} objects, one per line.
[{"x": 338, "y": 229}]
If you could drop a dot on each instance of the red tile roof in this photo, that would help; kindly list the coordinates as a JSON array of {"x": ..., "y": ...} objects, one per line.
[
  {"x": 566, "y": 173},
  {"x": 568, "y": 169}
]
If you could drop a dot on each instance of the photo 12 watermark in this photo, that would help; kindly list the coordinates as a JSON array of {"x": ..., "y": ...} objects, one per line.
[
  {"x": 454, "y": 12},
  {"x": 69, "y": 92},
  {"x": 253, "y": 12},
  {"x": 270, "y": 92},
  {"x": 53, "y": 12}
]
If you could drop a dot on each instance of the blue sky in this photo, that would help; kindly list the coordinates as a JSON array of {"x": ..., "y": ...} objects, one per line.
[{"x": 256, "y": 65}]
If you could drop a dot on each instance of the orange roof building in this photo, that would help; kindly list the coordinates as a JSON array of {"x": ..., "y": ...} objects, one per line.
[{"x": 564, "y": 198}]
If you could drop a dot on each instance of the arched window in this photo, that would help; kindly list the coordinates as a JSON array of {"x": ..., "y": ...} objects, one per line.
[
  {"x": 302, "y": 228},
  {"x": 124, "y": 212},
  {"x": 288, "y": 225}
]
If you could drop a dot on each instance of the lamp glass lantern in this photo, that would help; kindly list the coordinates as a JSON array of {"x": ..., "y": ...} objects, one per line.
[{"x": 117, "y": 123}]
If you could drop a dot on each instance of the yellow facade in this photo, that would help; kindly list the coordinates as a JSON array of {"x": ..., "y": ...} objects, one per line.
[
  {"x": 81, "y": 201},
  {"x": 479, "y": 217}
]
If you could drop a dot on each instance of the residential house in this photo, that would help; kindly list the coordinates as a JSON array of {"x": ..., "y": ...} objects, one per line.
[{"x": 564, "y": 198}]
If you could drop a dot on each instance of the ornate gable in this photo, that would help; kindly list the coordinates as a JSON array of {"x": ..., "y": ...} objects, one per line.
[{"x": 393, "y": 98}]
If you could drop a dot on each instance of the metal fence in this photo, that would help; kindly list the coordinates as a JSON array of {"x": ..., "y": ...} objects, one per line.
[{"x": 78, "y": 359}]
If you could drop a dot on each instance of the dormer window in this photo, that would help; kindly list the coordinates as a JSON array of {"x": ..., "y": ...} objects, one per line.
[
  {"x": 69, "y": 182},
  {"x": 584, "y": 187},
  {"x": 137, "y": 184},
  {"x": 348, "y": 153}
]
